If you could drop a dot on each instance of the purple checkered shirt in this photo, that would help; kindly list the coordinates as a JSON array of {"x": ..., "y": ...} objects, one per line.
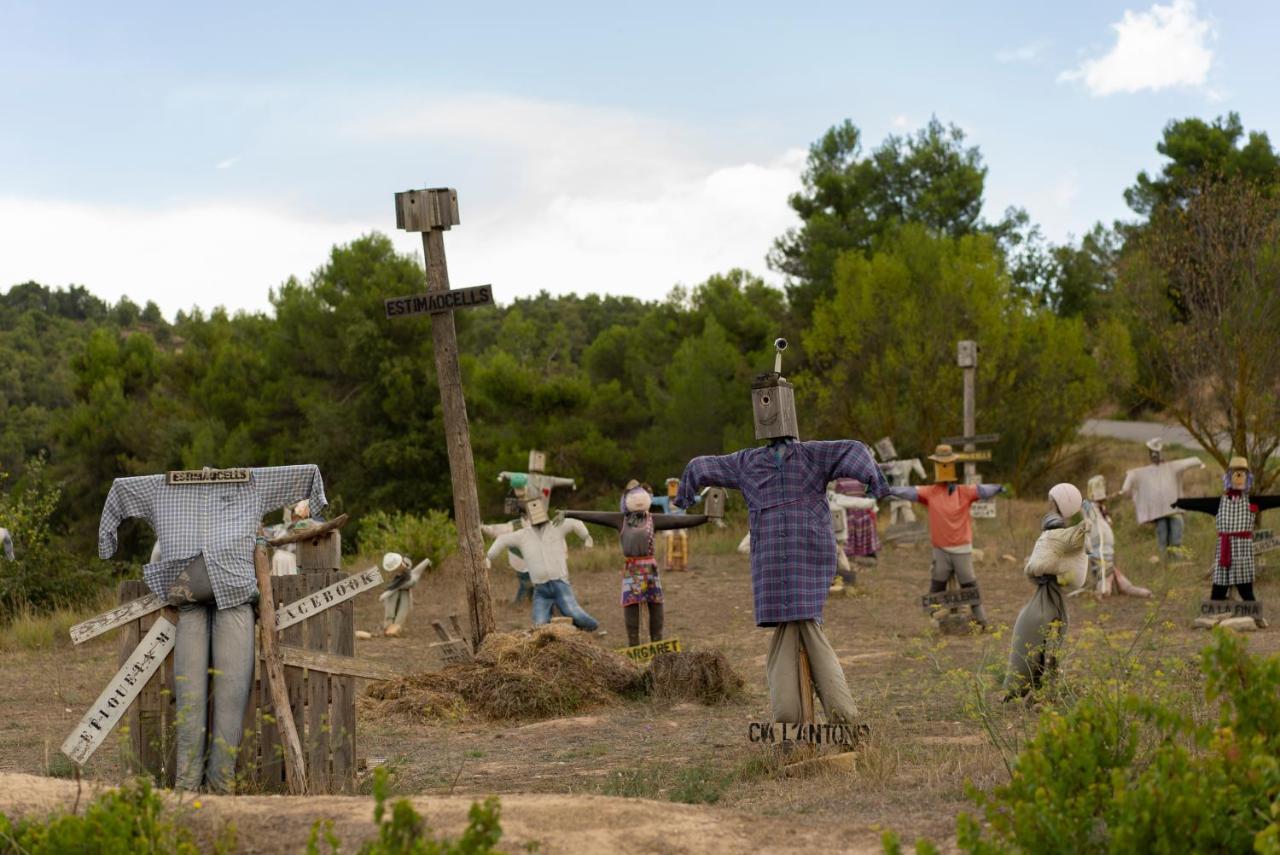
[{"x": 793, "y": 552}]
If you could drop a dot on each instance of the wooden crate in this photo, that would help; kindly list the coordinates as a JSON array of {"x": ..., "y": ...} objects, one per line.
[{"x": 322, "y": 705}]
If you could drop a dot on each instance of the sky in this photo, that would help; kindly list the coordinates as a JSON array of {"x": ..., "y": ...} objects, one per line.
[{"x": 201, "y": 154}]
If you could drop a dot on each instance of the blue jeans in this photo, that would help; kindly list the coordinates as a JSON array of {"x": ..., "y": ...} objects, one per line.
[
  {"x": 558, "y": 593},
  {"x": 525, "y": 589},
  {"x": 227, "y": 634},
  {"x": 1169, "y": 531}
]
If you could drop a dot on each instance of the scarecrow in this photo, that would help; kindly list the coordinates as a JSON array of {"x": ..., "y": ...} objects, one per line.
[
  {"x": 793, "y": 551},
  {"x": 398, "y": 596},
  {"x": 1155, "y": 488},
  {"x": 899, "y": 472},
  {"x": 850, "y": 509},
  {"x": 950, "y": 526},
  {"x": 1104, "y": 576},
  {"x": 636, "y": 525},
  {"x": 541, "y": 542},
  {"x": 206, "y": 535},
  {"x": 1058, "y": 559},
  {"x": 1234, "y": 512}
]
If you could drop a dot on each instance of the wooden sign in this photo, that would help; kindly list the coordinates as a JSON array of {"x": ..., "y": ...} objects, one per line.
[
  {"x": 208, "y": 476},
  {"x": 1234, "y": 608},
  {"x": 1264, "y": 540},
  {"x": 118, "y": 616},
  {"x": 951, "y": 599},
  {"x": 435, "y": 302},
  {"x": 980, "y": 439},
  {"x": 983, "y": 510},
  {"x": 642, "y": 653},
  {"x": 111, "y": 705},
  {"x": 973, "y": 456},
  {"x": 770, "y": 732},
  {"x": 325, "y": 598}
]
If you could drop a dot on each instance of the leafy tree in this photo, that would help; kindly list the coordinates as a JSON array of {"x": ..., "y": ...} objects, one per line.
[
  {"x": 848, "y": 201},
  {"x": 882, "y": 353},
  {"x": 1200, "y": 152}
]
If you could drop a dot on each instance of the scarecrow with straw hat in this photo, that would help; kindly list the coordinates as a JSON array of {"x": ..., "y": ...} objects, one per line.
[
  {"x": 1234, "y": 514},
  {"x": 397, "y": 598},
  {"x": 950, "y": 526},
  {"x": 1154, "y": 489}
]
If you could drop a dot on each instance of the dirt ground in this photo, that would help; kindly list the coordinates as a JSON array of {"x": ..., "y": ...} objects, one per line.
[{"x": 612, "y": 778}]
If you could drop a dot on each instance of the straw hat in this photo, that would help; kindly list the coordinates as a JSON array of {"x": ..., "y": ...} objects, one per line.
[
  {"x": 392, "y": 561},
  {"x": 1156, "y": 444},
  {"x": 944, "y": 454},
  {"x": 1238, "y": 463}
]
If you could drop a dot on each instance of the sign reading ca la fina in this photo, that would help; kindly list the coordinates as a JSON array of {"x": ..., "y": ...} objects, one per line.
[{"x": 642, "y": 653}]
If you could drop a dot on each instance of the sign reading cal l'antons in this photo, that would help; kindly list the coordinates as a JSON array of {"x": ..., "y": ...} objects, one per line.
[
  {"x": 642, "y": 653},
  {"x": 434, "y": 302}
]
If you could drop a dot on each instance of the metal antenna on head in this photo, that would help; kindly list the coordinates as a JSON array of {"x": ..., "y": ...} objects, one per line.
[{"x": 779, "y": 345}]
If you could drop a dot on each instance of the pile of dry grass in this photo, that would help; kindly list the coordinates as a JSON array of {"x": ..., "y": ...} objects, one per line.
[
  {"x": 698, "y": 675},
  {"x": 547, "y": 671}
]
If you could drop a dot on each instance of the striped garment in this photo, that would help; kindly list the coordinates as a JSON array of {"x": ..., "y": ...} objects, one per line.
[
  {"x": 863, "y": 537},
  {"x": 793, "y": 552}
]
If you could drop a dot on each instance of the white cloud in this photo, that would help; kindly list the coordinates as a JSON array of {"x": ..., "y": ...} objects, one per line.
[
  {"x": 1024, "y": 53},
  {"x": 589, "y": 201},
  {"x": 1162, "y": 47},
  {"x": 900, "y": 122},
  {"x": 226, "y": 164},
  {"x": 1065, "y": 190}
]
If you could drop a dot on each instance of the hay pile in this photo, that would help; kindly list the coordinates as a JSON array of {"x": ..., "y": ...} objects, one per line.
[
  {"x": 545, "y": 672},
  {"x": 550, "y": 670},
  {"x": 699, "y": 675}
]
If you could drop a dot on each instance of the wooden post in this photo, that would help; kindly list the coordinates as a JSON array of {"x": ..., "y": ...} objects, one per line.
[
  {"x": 967, "y": 358},
  {"x": 432, "y": 212},
  {"x": 806, "y": 687},
  {"x": 294, "y": 761}
]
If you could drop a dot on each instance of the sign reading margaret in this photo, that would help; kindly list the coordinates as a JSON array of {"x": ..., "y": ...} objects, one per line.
[
  {"x": 434, "y": 302},
  {"x": 338, "y": 592},
  {"x": 770, "y": 732},
  {"x": 642, "y": 653},
  {"x": 209, "y": 476}
]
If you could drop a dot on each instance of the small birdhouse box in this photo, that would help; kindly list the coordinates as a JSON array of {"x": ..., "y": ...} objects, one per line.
[
  {"x": 537, "y": 461},
  {"x": 425, "y": 210},
  {"x": 714, "y": 503},
  {"x": 967, "y": 354}
]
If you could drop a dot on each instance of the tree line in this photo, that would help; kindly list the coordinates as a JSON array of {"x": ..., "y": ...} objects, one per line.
[{"x": 891, "y": 264}]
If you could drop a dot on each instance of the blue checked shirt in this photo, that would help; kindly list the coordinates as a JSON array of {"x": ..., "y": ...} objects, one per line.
[
  {"x": 793, "y": 552},
  {"x": 220, "y": 520}
]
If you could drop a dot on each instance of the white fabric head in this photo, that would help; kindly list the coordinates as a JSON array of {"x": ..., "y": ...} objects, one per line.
[
  {"x": 1067, "y": 498},
  {"x": 392, "y": 561},
  {"x": 637, "y": 500}
]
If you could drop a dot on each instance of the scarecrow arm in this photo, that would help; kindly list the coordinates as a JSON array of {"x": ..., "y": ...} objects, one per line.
[
  {"x": 1265, "y": 503},
  {"x": 665, "y": 522},
  {"x": 612, "y": 519},
  {"x": 1203, "y": 505}
]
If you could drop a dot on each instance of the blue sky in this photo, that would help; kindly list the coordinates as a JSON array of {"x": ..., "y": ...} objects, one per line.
[{"x": 199, "y": 156}]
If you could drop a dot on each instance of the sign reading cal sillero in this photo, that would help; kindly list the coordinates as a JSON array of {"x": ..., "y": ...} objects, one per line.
[{"x": 434, "y": 302}]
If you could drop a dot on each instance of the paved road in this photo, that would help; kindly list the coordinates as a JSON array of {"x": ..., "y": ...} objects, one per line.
[{"x": 1140, "y": 432}]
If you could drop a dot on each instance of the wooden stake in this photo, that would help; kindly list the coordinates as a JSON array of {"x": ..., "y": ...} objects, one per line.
[
  {"x": 295, "y": 770},
  {"x": 806, "y": 687},
  {"x": 457, "y": 432}
]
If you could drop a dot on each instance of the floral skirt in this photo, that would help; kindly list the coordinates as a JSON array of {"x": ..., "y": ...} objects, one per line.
[{"x": 640, "y": 582}]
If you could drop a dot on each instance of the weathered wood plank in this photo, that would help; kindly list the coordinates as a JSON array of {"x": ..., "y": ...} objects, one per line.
[
  {"x": 323, "y": 554},
  {"x": 312, "y": 533},
  {"x": 315, "y": 641},
  {"x": 334, "y": 663},
  {"x": 294, "y": 762},
  {"x": 342, "y": 700},
  {"x": 110, "y": 706},
  {"x": 340, "y": 591},
  {"x": 118, "y": 616}
]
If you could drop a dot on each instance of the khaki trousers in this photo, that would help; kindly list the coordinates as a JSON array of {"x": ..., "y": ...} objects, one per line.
[{"x": 783, "y": 672}]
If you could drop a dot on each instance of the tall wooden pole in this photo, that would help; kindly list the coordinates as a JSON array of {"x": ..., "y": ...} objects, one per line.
[
  {"x": 968, "y": 361},
  {"x": 457, "y": 433}
]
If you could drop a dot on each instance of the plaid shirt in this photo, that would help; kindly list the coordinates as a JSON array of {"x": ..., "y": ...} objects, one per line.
[
  {"x": 793, "y": 552},
  {"x": 219, "y": 520}
]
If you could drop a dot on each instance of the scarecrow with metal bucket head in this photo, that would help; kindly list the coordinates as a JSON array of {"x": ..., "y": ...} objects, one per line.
[
  {"x": 950, "y": 526},
  {"x": 793, "y": 550}
]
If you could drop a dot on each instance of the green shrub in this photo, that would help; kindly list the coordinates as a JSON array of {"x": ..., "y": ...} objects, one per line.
[
  {"x": 129, "y": 819},
  {"x": 1134, "y": 773},
  {"x": 405, "y": 832},
  {"x": 431, "y": 536},
  {"x": 43, "y": 577}
]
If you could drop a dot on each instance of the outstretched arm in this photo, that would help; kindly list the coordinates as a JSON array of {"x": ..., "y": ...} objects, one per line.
[
  {"x": 576, "y": 526},
  {"x": 129, "y": 497},
  {"x": 665, "y": 522},
  {"x": 1205, "y": 505},
  {"x": 708, "y": 471},
  {"x": 857, "y": 503},
  {"x": 848, "y": 458},
  {"x": 557, "y": 481},
  {"x": 917, "y": 468},
  {"x": 612, "y": 519},
  {"x": 908, "y": 493},
  {"x": 986, "y": 491},
  {"x": 1265, "y": 503}
]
